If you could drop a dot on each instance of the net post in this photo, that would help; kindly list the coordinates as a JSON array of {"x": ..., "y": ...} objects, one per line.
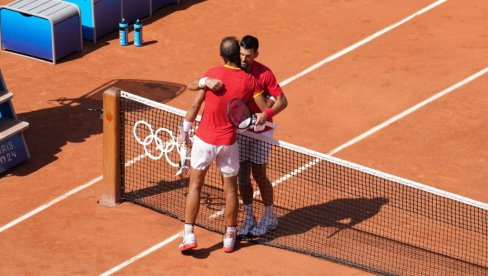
[{"x": 111, "y": 195}]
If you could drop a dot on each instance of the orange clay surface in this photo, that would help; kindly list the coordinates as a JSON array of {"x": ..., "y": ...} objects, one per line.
[{"x": 442, "y": 144}]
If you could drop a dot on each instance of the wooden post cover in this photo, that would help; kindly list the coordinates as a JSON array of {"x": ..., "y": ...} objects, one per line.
[{"x": 111, "y": 147}]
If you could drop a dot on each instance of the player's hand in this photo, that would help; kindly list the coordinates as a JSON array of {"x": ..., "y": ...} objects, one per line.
[
  {"x": 261, "y": 119},
  {"x": 183, "y": 172},
  {"x": 214, "y": 84}
]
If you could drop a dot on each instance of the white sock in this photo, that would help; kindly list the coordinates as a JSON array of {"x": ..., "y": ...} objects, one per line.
[
  {"x": 231, "y": 229},
  {"x": 188, "y": 228}
]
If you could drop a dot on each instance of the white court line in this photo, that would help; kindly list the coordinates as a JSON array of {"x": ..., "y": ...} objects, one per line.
[
  {"x": 64, "y": 196},
  {"x": 408, "y": 111},
  {"x": 50, "y": 203},
  {"x": 360, "y": 43},
  {"x": 141, "y": 255}
]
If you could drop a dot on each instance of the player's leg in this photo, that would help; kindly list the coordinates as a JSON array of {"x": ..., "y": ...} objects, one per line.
[
  {"x": 231, "y": 212},
  {"x": 202, "y": 157},
  {"x": 228, "y": 163},
  {"x": 246, "y": 192},
  {"x": 245, "y": 186},
  {"x": 192, "y": 206},
  {"x": 264, "y": 185},
  {"x": 268, "y": 221}
]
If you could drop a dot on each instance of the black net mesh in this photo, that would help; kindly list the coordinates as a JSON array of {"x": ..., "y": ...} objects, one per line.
[{"x": 326, "y": 207}]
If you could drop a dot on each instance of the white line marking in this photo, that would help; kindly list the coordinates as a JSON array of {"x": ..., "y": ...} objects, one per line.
[
  {"x": 360, "y": 43},
  {"x": 50, "y": 203},
  {"x": 408, "y": 111},
  {"x": 66, "y": 195},
  {"x": 141, "y": 255}
]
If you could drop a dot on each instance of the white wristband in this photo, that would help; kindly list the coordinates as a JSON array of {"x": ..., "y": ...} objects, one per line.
[
  {"x": 202, "y": 82},
  {"x": 187, "y": 126}
]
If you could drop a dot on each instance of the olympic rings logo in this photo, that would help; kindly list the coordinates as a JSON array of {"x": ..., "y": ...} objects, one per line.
[{"x": 153, "y": 143}]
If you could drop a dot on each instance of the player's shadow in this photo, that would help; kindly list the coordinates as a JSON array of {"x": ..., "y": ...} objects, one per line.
[
  {"x": 334, "y": 216},
  {"x": 69, "y": 121},
  {"x": 153, "y": 189},
  {"x": 211, "y": 197}
]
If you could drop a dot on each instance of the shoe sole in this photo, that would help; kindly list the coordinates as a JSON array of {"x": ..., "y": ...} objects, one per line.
[
  {"x": 228, "y": 249},
  {"x": 188, "y": 247}
]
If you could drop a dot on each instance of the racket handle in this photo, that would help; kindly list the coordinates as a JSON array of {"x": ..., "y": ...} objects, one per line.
[
  {"x": 261, "y": 127},
  {"x": 183, "y": 171}
]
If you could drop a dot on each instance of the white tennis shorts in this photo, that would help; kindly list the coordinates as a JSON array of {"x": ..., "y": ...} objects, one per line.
[
  {"x": 254, "y": 150},
  {"x": 226, "y": 157}
]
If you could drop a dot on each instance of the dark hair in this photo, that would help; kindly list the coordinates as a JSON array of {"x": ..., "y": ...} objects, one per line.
[
  {"x": 229, "y": 50},
  {"x": 250, "y": 42}
]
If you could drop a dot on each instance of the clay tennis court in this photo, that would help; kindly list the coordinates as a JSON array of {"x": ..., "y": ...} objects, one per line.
[{"x": 363, "y": 81}]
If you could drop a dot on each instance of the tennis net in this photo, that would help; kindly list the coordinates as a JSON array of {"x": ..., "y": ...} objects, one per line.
[{"x": 326, "y": 207}]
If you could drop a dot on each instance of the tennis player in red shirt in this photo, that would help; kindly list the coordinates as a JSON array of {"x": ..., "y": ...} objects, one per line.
[
  {"x": 215, "y": 139},
  {"x": 254, "y": 153},
  {"x": 252, "y": 156}
]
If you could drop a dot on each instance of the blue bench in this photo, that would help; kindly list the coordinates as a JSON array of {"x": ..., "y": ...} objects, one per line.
[
  {"x": 98, "y": 17},
  {"x": 13, "y": 149},
  {"x": 43, "y": 29}
]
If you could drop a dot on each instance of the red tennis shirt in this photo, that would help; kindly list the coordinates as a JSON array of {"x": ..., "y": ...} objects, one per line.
[
  {"x": 215, "y": 127},
  {"x": 268, "y": 83}
]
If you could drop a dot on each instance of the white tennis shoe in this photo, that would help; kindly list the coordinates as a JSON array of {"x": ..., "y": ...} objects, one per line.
[
  {"x": 247, "y": 226},
  {"x": 189, "y": 242},
  {"x": 266, "y": 224},
  {"x": 229, "y": 240}
]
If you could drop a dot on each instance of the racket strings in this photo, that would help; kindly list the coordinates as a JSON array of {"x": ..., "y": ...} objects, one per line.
[{"x": 240, "y": 114}]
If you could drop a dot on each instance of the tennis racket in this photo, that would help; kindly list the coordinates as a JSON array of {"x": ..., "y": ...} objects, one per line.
[
  {"x": 241, "y": 116},
  {"x": 184, "y": 141}
]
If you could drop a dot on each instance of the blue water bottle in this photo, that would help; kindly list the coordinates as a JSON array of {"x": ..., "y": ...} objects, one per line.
[
  {"x": 138, "y": 41},
  {"x": 124, "y": 33}
]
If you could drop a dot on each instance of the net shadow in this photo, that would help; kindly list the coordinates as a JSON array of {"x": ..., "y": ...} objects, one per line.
[
  {"x": 337, "y": 214},
  {"x": 69, "y": 121}
]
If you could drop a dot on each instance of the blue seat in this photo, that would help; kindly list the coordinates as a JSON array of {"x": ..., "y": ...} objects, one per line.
[{"x": 43, "y": 29}]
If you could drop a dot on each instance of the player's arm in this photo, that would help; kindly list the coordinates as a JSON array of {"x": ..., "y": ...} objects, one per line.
[
  {"x": 278, "y": 100},
  {"x": 194, "y": 108},
  {"x": 278, "y": 104},
  {"x": 185, "y": 127},
  {"x": 205, "y": 82},
  {"x": 192, "y": 113},
  {"x": 268, "y": 109},
  {"x": 260, "y": 100}
]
